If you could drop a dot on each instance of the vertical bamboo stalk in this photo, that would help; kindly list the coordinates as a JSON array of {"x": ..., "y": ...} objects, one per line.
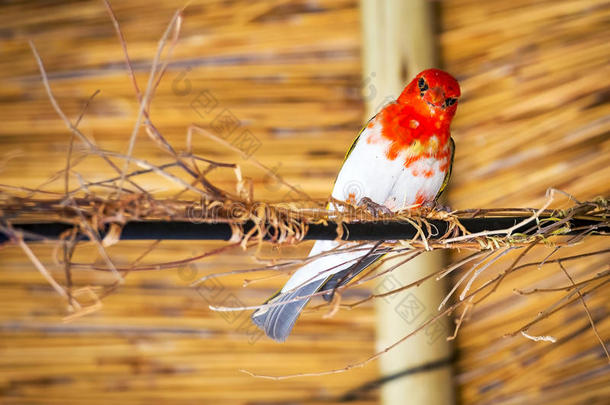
[{"x": 399, "y": 39}]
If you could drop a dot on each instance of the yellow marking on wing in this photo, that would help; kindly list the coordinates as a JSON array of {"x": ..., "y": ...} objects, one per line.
[{"x": 448, "y": 174}]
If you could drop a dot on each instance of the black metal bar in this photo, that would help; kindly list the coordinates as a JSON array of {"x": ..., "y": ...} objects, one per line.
[{"x": 377, "y": 230}]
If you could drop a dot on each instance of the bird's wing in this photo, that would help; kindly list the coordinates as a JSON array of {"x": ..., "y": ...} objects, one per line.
[
  {"x": 366, "y": 171},
  {"x": 349, "y": 152},
  {"x": 345, "y": 276},
  {"x": 284, "y": 307},
  {"x": 448, "y": 174}
]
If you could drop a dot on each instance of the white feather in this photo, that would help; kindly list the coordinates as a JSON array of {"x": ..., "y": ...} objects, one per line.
[{"x": 368, "y": 172}]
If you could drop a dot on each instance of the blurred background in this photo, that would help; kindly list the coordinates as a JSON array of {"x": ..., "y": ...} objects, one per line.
[{"x": 294, "y": 78}]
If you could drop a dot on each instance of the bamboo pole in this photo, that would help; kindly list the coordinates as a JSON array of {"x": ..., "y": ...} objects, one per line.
[{"x": 399, "y": 34}]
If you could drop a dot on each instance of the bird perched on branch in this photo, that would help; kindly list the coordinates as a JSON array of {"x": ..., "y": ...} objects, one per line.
[{"x": 401, "y": 159}]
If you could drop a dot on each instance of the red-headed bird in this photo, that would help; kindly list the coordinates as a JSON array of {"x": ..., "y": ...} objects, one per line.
[{"x": 401, "y": 159}]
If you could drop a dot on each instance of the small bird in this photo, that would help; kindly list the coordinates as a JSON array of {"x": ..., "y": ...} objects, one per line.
[{"x": 401, "y": 159}]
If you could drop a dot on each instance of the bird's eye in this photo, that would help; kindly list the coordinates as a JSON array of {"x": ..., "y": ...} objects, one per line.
[
  {"x": 421, "y": 83},
  {"x": 450, "y": 101}
]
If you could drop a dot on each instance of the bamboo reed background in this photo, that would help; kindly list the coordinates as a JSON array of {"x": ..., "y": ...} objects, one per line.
[{"x": 534, "y": 115}]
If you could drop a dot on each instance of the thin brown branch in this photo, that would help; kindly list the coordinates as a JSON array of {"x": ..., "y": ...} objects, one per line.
[{"x": 584, "y": 304}]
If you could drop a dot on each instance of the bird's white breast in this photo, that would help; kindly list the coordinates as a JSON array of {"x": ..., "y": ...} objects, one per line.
[{"x": 368, "y": 172}]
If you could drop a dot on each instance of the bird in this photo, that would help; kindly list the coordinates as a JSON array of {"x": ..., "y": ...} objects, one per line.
[{"x": 401, "y": 159}]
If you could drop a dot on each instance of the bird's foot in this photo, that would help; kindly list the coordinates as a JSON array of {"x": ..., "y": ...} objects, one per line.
[
  {"x": 374, "y": 208},
  {"x": 435, "y": 206}
]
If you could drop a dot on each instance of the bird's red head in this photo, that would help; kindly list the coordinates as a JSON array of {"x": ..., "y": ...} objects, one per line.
[
  {"x": 433, "y": 92},
  {"x": 422, "y": 112}
]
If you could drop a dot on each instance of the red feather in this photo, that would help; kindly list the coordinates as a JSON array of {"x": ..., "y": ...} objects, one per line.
[{"x": 420, "y": 115}]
